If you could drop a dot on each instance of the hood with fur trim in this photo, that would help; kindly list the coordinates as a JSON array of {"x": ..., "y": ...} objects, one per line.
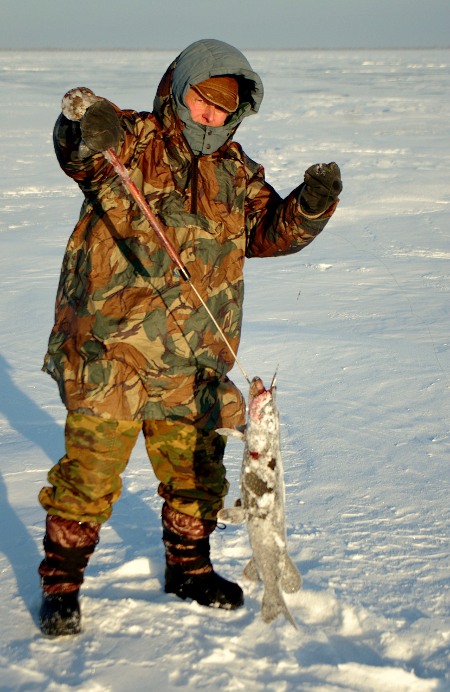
[{"x": 199, "y": 61}]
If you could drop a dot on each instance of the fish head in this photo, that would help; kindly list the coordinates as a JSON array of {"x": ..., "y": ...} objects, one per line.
[
  {"x": 256, "y": 388},
  {"x": 260, "y": 398}
]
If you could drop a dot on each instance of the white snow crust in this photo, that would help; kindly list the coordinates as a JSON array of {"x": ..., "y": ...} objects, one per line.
[{"x": 359, "y": 327}]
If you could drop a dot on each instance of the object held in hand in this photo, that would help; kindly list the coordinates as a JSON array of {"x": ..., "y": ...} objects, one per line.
[{"x": 76, "y": 101}]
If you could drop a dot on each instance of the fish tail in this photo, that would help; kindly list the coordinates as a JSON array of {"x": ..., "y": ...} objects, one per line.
[
  {"x": 251, "y": 571},
  {"x": 291, "y": 579},
  {"x": 273, "y": 604}
]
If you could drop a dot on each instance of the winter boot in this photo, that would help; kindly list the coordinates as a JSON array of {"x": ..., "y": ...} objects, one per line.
[
  {"x": 60, "y": 614},
  {"x": 189, "y": 572},
  {"x": 68, "y": 546}
]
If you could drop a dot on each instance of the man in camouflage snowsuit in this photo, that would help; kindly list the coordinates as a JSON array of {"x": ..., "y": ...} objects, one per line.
[{"x": 132, "y": 348}]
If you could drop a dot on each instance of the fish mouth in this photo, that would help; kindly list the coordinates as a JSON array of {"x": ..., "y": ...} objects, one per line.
[
  {"x": 257, "y": 386},
  {"x": 260, "y": 397}
]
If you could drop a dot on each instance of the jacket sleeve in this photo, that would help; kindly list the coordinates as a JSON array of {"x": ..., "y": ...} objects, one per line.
[
  {"x": 86, "y": 168},
  {"x": 91, "y": 171},
  {"x": 277, "y": 226}
]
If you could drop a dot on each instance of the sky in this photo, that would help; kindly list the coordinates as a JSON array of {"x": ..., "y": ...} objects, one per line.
[{"x": 248, "y": 24}]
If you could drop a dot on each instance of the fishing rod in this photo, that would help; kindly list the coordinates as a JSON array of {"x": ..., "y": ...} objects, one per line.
[{"x": 124, "y": 175}]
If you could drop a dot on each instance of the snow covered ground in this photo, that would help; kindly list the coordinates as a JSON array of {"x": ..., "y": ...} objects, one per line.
[{"x": 359, "y": 326}]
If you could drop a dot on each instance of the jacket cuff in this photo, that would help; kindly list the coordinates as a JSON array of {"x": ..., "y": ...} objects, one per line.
[{"x": 324, "y": 213}]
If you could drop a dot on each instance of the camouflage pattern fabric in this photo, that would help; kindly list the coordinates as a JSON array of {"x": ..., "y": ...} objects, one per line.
[
  {"x": 86, "y": 482},
  {"x": 131, "y": 340},
  {"x": 187, "y": 461}
]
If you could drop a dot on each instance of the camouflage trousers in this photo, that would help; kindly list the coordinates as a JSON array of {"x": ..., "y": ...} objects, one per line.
[{"x": 86, "y": 482}]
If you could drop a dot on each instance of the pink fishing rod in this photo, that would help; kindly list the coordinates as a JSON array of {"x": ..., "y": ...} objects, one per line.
[{"x": 140, "y": 200}]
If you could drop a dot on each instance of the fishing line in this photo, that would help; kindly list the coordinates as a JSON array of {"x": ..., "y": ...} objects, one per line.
[{"x": 402, "y": 290}]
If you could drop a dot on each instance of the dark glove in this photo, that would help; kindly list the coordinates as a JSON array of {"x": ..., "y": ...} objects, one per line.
[
  {"x": 100, "y": 127},
  {"x": 322, "y": 187}
]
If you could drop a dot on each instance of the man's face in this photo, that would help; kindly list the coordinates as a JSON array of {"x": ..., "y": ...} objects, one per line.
[{"x": 204, "y": 112}]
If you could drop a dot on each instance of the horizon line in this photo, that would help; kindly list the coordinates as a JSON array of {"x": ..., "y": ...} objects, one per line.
[{"x": 167, "y": 50}]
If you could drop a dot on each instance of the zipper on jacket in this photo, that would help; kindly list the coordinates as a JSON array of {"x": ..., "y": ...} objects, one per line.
[{"x": 194, "y": 184}]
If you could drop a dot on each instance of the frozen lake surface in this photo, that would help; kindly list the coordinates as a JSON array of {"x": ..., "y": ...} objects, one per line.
[{"x": 359, "y": 327}]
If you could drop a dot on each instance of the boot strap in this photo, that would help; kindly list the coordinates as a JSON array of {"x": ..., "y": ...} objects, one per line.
[
  {"x": 200, "y": 545},
  {"x": 73, "y": 558},
  {"x": 187, "y": 554},
  {"x": 66, "y": 578}
]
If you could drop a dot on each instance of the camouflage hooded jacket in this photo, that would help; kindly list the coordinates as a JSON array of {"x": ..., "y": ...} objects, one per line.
[{"x": 130, "y": 339}]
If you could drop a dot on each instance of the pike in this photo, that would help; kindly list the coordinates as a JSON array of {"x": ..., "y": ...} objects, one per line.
[{"x": 262, "y": 502}]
